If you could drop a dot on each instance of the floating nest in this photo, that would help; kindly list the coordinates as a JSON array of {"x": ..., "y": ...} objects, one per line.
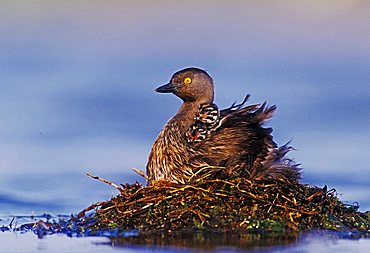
[{"x": 210, "y": 202}]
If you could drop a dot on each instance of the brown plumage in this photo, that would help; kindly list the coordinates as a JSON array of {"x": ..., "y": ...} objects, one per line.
[{"x": 199, "y": 135}]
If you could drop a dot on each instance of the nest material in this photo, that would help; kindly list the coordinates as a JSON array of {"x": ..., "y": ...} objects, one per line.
[{"x": 238, "y": 203}]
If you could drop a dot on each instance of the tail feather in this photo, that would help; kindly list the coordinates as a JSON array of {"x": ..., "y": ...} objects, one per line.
[
  {"x": 264, "y": 113},
  {"x": 278, "y": 166}
]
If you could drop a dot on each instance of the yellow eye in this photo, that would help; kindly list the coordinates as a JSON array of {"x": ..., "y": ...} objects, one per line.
[{"x": 187, "y": 80}]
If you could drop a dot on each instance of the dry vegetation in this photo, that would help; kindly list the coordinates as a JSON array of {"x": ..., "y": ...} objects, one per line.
[{"x": 210, "y": 202}]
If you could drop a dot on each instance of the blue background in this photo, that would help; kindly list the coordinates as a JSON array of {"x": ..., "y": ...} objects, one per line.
[{"x": 77, "y": 82}]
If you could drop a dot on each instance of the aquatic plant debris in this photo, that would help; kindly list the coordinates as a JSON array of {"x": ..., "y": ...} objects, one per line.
[{"x": 207, "y": 201}]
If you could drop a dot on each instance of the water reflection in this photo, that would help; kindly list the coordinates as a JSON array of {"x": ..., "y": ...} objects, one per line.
[
  {"x": 202, "y": 240},
  {"x": 23, "y": 238},
  {"x": 240, "y": 242}
]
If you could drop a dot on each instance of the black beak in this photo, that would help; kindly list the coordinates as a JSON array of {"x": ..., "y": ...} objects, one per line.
[{"x": 167, "y": 88}]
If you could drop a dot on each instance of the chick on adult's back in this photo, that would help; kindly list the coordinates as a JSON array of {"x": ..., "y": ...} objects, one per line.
[{"x": 199, "y": 135}]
